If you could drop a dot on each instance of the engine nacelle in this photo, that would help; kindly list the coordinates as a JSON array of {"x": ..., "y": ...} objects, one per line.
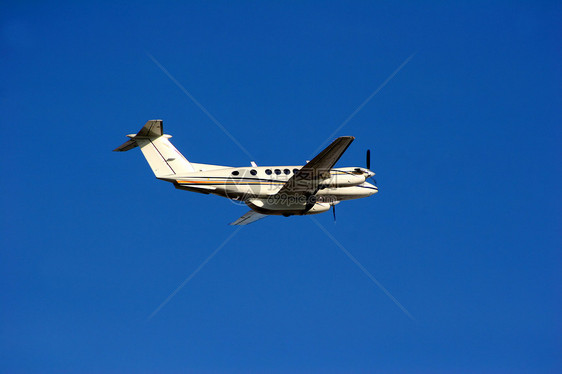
[
  {"x": 344, "y": 179},
  {"x": 319, "y": 208}
]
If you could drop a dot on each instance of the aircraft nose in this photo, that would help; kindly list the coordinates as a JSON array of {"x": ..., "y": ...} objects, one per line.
[{"x": 372, "y": 188}]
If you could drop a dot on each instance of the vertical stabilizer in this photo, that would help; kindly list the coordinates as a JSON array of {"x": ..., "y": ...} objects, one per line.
[{"x": 164, "y": 159}]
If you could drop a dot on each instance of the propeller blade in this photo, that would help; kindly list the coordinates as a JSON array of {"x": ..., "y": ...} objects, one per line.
[
  {"x": 334, "y": 211},
  {"x": 368, "y": 159}
]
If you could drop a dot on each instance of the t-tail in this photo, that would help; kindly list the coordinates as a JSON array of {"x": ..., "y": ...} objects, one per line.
[{"x": 164, "y": 159}]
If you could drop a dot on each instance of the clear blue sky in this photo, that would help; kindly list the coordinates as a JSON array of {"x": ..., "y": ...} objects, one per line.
[{"x": 465, "y": 231}]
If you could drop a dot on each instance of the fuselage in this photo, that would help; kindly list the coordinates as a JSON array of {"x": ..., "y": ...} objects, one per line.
[{"x": 257, "y": 185}]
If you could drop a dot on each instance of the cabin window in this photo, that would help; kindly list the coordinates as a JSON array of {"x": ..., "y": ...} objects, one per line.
[
  {"x": 253, "y": 172},
  {"x": 277, "y": 171},
  {"x": 235, "y": 172},
  {"x": 287, "y": 171},
  {"x": 268, "y": 171},
  {"x": 295, "y": 171}
]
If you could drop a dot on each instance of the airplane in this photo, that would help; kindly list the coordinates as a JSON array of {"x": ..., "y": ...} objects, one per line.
[{"x": 266, "y": 190}]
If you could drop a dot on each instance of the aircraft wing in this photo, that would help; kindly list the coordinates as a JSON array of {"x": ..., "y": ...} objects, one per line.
[
  {"x": 307, "y": 180},
  {"x": 248, "y": 218}
]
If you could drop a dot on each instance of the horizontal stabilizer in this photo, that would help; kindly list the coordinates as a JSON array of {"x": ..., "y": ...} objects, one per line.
[{"x": 128, "y": 145}]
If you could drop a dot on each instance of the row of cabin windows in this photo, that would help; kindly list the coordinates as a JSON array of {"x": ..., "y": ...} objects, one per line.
[{"x": 269, "y": 172}]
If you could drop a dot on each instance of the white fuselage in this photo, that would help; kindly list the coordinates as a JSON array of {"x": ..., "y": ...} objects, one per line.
[{"x": 256, "y": 186}]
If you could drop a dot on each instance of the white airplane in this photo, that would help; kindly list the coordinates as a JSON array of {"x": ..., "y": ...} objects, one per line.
[{"x": 267, "y": 190}]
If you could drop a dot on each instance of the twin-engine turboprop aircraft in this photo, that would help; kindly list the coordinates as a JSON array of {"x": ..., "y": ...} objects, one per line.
[{"x": 267, "y": 190}]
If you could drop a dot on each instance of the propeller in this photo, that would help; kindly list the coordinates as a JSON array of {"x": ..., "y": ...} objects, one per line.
[
  {"x": 360, "y": 171},
  {"x": 369, "y": 165}
]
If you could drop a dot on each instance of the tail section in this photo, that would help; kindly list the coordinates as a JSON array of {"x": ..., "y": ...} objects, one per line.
[{"x": 164, "y": 159}]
